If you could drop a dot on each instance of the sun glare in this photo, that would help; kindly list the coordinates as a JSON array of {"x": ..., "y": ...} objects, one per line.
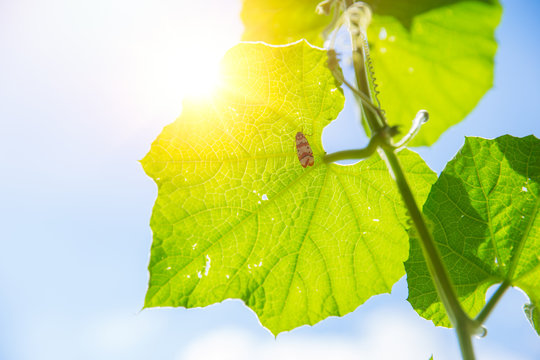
[
  {"x": 185, "y": 59},
  {"x": 200, "y": 72}
]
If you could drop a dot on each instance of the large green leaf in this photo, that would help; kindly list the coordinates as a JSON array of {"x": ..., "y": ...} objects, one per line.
[
  {"x": 237, "y": 216},
  {"x": 484, "y": 215},
  {"x": 435, "y": 55}
]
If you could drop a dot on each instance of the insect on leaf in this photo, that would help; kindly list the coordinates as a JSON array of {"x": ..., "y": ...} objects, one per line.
[
  {"x": 238, "y": 216},
  {"x": 305, "y": 155}
]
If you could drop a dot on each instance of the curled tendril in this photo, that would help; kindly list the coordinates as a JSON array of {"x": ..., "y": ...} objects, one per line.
[
  {"x": 371, "y": 72},
  {"x": 324, "y": 7},
  {"x": 333, "y": 63},
  {"x": 357, "y": 18},
  {"x": 421, "y": 118}
]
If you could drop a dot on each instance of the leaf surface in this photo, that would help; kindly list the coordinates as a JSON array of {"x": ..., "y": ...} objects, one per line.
[
  {"x": 435, "y": 55},
  {"x": 281, "y": 22},
  {"x": 237, "y": 216},
  {"x": 483, "y": 210},
  {"x": 533, "y": 315}
]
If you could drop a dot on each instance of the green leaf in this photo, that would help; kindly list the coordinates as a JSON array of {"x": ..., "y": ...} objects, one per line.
[
  {"x": 282, "y": 22},
  {"x": 483, "y": 210},
  {"x": 532, "y": 313},
  {"x": 237, "y": 216},
  {"x": 435, "y": 55}
]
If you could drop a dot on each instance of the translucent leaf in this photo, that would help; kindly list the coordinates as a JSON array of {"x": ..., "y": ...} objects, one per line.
[
  {"x": 533, "y": 315},
  {"x": 282, "y": 22},
  {"x": 483, "y": 210},
  {"x": 237, "y": 216},
  {"x": 440, "y": 60},
  {"x": 435, "y": 55}
]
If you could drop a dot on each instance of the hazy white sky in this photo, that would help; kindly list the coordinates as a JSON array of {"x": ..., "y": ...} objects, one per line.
[{"x": 85, "y": 87}]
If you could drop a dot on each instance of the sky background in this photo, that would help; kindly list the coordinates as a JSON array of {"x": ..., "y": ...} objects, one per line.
[{"x": 85, "y": 87}]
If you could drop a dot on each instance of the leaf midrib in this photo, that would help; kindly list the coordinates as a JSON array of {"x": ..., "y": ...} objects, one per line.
[{"x": 488, "y": 210}]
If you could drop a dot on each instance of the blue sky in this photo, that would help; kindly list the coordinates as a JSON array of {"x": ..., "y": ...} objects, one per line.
[{"x": 85, "y": 86}]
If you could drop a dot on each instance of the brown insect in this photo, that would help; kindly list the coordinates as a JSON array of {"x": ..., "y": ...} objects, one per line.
[{"x": 305, "y": 154}]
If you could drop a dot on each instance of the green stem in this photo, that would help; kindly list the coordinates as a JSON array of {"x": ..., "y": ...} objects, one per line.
[
  {"x": 483, "y": 315},
  {"x": 347, "y": 155},
  {"x": 465, "y": 341},
  {"x": 361, "y": 75},
  {"x": 434, "y": 262},
  {"x": 354, "y": 154},
  {"x": 463, "y": 324}
]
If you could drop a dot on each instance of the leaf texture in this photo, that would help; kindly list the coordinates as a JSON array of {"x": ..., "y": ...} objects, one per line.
[
  {"x": 533, "y": 315},
  {"x": 237, "y": 216},
  {"x": 436, "y": 55},
  {"x": 483, "y": 210}
]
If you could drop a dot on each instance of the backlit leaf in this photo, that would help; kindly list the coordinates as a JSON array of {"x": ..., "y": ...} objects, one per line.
[
  {"x": 533, "y": 315},
  {"x": 440, "y": 59},
  {"x": 435, "y": 55},
  {"x": 281, "y": 22},
  {"x": 237, "y": 216},
  {"x": 484, "y": 215}
]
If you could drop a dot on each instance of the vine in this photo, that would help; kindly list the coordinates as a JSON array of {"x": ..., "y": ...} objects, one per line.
[{"x": 250, "y": 205}]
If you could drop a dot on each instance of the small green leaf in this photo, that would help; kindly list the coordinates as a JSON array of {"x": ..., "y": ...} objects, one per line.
[
  {"x": 237, "y": 216},
  {"x": 483, "y": 211},
  {"x": 435, "y": 55},
  {"x": 533, "y": 314}
]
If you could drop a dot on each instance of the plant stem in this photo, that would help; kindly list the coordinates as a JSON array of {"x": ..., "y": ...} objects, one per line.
[
  {"x": 435, "y": 265},
  {"x": 347, "y": 155},
  {"x": 459, "y": 319},
  {"x": 354, "y": 154},
  {"x": 465, "y": 341},
  {"x": 483, "y": 315}
]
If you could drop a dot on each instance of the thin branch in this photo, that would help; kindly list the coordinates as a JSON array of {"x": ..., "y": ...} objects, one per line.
[
  {"x": 465, "y": 326},
  {"x": 486, "y": 311}
]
